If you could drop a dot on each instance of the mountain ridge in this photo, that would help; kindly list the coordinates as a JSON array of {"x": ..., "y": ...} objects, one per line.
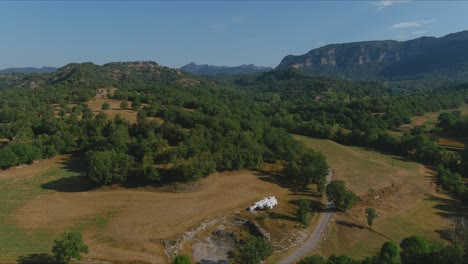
[
  {"x": 28, "y": 70},
  {"x": 206, "y": 69},
  {"x": 386, "y": 59}
]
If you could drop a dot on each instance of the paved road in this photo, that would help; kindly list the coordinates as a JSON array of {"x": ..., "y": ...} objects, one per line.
[{"x": 314, "y": 239}]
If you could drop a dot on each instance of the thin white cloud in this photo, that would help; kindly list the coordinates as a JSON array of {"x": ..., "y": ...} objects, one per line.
[
  {"x": 238, "y": 20},
  {"x": 416, "y": 23},
  {"x": 217, "y": 28},
  {"x": 382, "y": 4}
]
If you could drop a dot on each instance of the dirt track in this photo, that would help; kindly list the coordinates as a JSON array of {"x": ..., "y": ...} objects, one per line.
[{"x": 314, "y": 239}]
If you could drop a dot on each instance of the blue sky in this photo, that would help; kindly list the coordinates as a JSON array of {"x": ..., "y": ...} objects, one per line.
[{"x": 174, "y": 33}]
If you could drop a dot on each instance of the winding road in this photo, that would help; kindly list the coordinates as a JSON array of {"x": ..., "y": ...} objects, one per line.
[{"x": 314, "y": 239}]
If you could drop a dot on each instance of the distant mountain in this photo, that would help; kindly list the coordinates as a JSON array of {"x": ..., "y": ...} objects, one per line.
[
  {"x": 28, "y": 70},
  {"x": 90, "y": 75},
  {"x": 443, "y": 58},
  {"x": 206, "y": 69}
]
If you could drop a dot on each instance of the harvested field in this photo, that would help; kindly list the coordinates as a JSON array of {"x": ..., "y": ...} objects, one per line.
[{"x": 118, "y": 224}]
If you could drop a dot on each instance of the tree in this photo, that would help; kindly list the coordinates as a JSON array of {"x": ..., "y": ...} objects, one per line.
[
  {"x": 107, "y": 167},
  {"x": 251, "y": 250},
  {"x": 341, "y": 259},
  {"x": 136, "y": 104},
  {"x": 124, "y": 105},
  {"x": 152, "y": 174},
  {"x": 389, "y": 253},
  {"x": 371, "y": 215},
  {"x": 181, "y": 259},
  {"x": 70, "y": 246},
  {"x": 315, "y": 259},
  {"x": 105, "y": 106},
  {"x": 7, "y": 157},
  {"x": 341, "y": 197},
  {"x": 310, "y": 167},
  {"x": 303, "y": 212},
  {"x": 414, "y": 249}
]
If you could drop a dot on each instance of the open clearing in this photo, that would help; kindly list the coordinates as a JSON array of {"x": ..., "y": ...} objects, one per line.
[
  {"x": 403, "y": 194},
  {"x": 118, "y": 224},
  {"x": 429, "y": 120},
  {"x": 114, "y": 109}
]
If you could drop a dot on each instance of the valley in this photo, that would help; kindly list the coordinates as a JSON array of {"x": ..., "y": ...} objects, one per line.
[{"x": 352, "y": 153}]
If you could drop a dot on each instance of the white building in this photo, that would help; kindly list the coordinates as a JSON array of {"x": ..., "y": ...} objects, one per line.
[{"x": 269, "y": 203}]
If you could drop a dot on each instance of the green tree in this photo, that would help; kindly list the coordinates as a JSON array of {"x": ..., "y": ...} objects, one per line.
[
  {"x": 25, "y": 152},
  {"x": 415, "y": 249},
  {"x": 341, "y": 259},
  {"x": 124, "y": 105},
  {"x": 181, "y": 259},
  {"x": 303, "y": 212},
  {"x": 371, "y": 215},
  {"x": 315, "y": 259},
  {"x": 136, "y": 104},
  {"x": 107, "y": 167},
  {"x": 70, "y": 246},
  {"x": 251, "y": 250},
  {"x": 105, "y": 106},
  {"x": 310, "y": 167},
  {"x": 7, "y": 157},
  {"x": 152, "y": 174},
  {"x": 341, "y": 197},
  {"x": 389, "y": 253}
]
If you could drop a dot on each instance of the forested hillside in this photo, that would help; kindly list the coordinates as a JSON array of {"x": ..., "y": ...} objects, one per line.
[
  {"x": 362, "y": 114},
  {"x": 187, "y": 127}
]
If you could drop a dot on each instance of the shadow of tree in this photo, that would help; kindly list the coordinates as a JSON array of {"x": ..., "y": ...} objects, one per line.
[
  {"x": 75, "y": 163},
  {"x": 315, "y": 206},
  {"x": 443, "y": 233},
  {"x": 77, "y": 183},
  {"x": 349, "y": 224},
  {"x": 274, "y": 215},
  {"x": 283, "y": 182},
  {"x": 449, "y": 208},
  {"x": 69, "y": 184},
  {"x": 41, "y": 258}
]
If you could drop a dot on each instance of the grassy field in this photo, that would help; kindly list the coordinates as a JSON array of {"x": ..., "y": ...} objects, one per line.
[
  {"x": 430, "y": 118},
  {"x": 96, "y": 104},
  {"x": 17, "y": 187},
  {"x": 402, "y": 192},
  {"x": 42, "y": 200}
]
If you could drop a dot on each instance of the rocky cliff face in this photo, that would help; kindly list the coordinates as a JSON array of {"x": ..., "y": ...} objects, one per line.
[{"x": 384, "y": 59}]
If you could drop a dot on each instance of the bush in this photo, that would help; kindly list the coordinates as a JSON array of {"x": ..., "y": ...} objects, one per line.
[
  {"x": 70, "y": 246},
  {"x": 251, "y": 250}
]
